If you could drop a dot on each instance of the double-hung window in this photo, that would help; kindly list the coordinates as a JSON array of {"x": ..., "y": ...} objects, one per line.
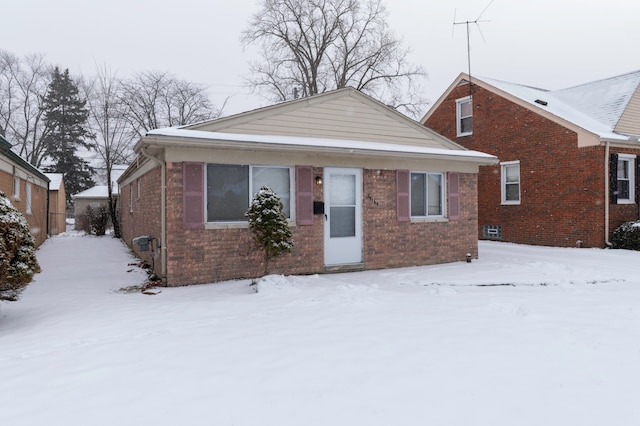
[
  {"x": 427, "y": 194},
  {"x": 510, "y": 177},
  {"x": 464, "y": 116},
  {"x": 230, "y": 189},
  {"x": 626, "y": 179}
]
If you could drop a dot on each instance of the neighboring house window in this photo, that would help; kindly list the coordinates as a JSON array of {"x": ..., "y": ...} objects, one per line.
[
  {"x": 510, "y": 176},
  {"x": 464, "y": 116},
  {"x": 230, "y": 189},
  {"x": 16, "y": 188},
  {"x": 426, "y": 194},
  {"x": 28, "y": 196},
  {"x": 625, "y": 178}
]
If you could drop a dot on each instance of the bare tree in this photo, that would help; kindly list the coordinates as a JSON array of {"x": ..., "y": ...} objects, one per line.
[
  {"x": 23, "y": 86},
  {"x": 159, "y": 99},
  {"x": 311, "y": 46},
  {"x": 114, "y": 135}
]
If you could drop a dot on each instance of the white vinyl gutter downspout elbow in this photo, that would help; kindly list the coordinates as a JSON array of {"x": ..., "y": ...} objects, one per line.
[{"x": 163, "y": 216}]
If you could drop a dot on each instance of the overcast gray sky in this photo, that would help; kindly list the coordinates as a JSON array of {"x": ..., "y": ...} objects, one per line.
[{"x": 544, "y": 43}]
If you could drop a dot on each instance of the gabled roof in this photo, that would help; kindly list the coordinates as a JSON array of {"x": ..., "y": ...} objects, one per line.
[
  {"x": 596, "y": 108},
  {"x": 56, "y": 181},
  {"x": 5, "y": 149},
  {"x": 605, "y": 100},
  {"x": 97, "y": 192},
  {"x": 339, "y": 114}
]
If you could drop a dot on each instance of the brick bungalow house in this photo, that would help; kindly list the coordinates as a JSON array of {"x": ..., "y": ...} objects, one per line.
[
  {"x": 569, "y": 170},
  {"x": 27, "y": 189},
  {"x": 363, "y": 186}
]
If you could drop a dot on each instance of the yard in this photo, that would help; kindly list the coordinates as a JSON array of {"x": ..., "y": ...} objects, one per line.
[{"x": 522, "y": 336}]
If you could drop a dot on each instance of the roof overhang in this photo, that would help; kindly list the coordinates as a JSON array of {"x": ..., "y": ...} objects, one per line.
[{"x": 160, "y": 139}]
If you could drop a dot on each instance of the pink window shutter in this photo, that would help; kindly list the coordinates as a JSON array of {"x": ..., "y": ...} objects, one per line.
[
  {"x": 193, "y": 195},
  {"x": 304, "y": 195},
  {"x": 454, "y": 195},
  {"x": 402, "y": 181}
]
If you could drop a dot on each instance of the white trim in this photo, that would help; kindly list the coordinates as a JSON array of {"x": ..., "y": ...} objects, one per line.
[
  {"x": 196, "y": 138},
  {"x": 460, "y": 117},
  {"x": 503, "y": 183},
  {"x": 342, "y": 250},
  {"x": 443, "y": 196},
  {"x": 631, "y": 159}
]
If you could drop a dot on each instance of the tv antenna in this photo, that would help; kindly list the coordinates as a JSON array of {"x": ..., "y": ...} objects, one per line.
[{"x": 467, "y": 23}]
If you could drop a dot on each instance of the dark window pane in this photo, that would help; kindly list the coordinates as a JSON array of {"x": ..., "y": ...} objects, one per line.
[
  {"x": 623, "y": 189},
  {"x": 227, "y": 192},
  {"x": 418, "y": 194},
  {"x": 512, "y": 192},
  {"x": 466, "y": 125}
]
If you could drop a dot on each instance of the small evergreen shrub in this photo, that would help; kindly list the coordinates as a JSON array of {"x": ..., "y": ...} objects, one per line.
[
  {"x": 18, "y": 261},
  {"x": 269, "y": 225},
  {"x": 627, "y": 236}
]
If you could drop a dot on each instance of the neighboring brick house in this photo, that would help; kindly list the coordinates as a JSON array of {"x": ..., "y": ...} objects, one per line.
[
  {"x": 27, "y": 189},
  {"x": 364, "y": 187},
  {"x": 568, "y": 172},
  {"x": 57, "y": 204}
]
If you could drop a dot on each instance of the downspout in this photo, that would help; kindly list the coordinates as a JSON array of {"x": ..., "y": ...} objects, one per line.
[
  {"x": 49, "y": 208},
  {"x": 163, "y": 210},
  {"x": 606, "y": 194}
]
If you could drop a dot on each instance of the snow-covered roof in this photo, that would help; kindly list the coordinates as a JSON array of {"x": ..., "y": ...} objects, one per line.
[
  {"x": 98, "y": 191},
  {"x": 56, "y": 180},
  {"x": 605, "y": 100},
  {"x": 595, "y": 107},
  {"x": 320, "y": 143}
]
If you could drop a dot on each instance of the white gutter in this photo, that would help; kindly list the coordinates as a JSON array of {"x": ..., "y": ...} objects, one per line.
[{"x": 163, "y": 216}]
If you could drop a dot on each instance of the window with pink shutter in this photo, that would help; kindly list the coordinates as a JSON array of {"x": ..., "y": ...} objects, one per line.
[
  {"x": 193, "y": 195},
  {"x": 304, "y": 195},
  {"x": 402, "y": 182},
  {"x": 454, "y": 195}
]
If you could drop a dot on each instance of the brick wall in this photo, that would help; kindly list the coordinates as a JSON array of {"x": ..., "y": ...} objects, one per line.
[
  {"x": 145, "y": 217},
  {"x": 208, "y": 255},
  {"x": 562, "y": 186},
  {"x": 37, "y": 219},
  {"x": 391, "y": 244}
]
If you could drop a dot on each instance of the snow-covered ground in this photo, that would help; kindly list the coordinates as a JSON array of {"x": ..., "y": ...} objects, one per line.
[{"x": 522, "y": 336}]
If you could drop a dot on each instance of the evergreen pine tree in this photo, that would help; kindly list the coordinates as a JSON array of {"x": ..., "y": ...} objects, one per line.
[
  {"x": 269, "y": 225},
  {"x": 17, "y": 251},
  {"x": 65, "y": 117}
]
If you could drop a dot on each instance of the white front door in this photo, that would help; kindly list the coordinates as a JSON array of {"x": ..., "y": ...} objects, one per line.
[{"x": 343, "y": 216}]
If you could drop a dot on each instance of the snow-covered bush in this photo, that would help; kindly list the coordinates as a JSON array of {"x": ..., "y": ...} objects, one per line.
[
  {"x": 627, "y": 236},
  {"x": 269, "y": 225},
  {"x": 98, "y": 219},
  {"x": 18, "y": 261}
]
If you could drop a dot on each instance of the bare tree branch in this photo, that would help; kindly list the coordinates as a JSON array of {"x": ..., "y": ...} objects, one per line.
[
  {"x": 318, "y": 45},
  {"x": 23, "y": 85},
  {"x": 158, "y": 99}
]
